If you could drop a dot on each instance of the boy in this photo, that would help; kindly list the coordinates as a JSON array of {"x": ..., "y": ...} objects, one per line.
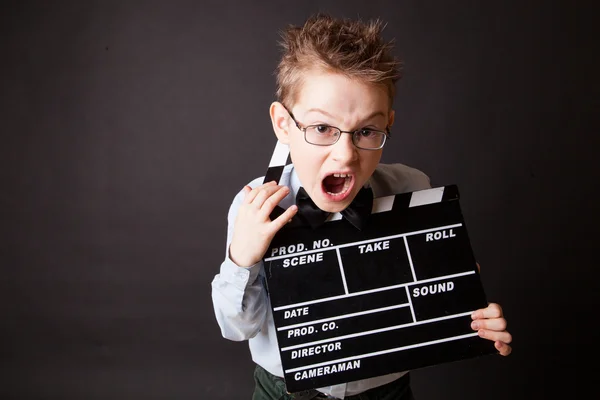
[{"x": 335, "y": 89}]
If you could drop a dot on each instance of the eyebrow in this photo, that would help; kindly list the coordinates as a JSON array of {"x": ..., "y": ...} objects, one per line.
[{"x": 369, "y": 117}]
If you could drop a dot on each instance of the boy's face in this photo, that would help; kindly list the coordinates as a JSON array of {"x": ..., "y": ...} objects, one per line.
[{"x": 327, "y": 98}]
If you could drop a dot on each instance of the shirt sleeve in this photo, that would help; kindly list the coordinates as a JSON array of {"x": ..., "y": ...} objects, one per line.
[{"x": 238, "y": 294}]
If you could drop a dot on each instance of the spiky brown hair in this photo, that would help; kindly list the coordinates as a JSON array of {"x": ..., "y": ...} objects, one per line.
[{"x": 350, "y": 47}]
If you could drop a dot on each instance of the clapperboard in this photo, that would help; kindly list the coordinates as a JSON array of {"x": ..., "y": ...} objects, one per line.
[{"x": 395, "y": 296}]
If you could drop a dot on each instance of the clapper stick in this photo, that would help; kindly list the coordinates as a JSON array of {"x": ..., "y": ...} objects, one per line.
[
  {"x": 350, "y": 304},
  {"x": 281, "y": 157}
]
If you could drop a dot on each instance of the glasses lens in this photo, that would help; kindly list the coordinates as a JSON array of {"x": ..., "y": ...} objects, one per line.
[
  {"x": 321, "y": 134},
  {"x": 369, "y": 139}
]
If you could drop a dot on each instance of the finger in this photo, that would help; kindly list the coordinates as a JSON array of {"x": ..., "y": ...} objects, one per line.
[
  {"x": 503, "y": 348},
  {"x": 493, "y": 324},
  {"x": 503, "y": 336},
  {"x": 266, "y": 193},
  {"x": 251, "y": 195},
  {"x": 493, "y": 310},
  {"x": 285, "y": 217},
  {"x": 274, "y": 199}
]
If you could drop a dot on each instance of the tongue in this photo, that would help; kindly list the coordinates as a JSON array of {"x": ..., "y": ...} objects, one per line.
[{"x": 333, "y": 184}]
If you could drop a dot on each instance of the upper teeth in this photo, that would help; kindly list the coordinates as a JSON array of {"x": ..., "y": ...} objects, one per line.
[{"x": 341, "y": 175}]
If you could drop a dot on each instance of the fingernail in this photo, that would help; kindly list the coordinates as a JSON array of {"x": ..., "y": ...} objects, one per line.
[
  {"x": 481, "y": 333},
  {"x": 474, "y": 325}
]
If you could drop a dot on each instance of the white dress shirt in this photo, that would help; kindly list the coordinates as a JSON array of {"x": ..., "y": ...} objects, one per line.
[{"x": 240, "y": 301}]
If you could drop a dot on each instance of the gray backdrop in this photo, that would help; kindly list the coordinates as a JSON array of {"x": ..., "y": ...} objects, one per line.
[{"x": 128, "y": 127}]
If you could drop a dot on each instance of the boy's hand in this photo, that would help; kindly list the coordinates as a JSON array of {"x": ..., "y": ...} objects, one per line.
[
  {"x": 253, "y": 229},
  {"x": 490, "y": 324}
]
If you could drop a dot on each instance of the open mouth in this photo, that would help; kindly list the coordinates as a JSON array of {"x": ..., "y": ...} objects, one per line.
[{"x": 337, "y": 185}]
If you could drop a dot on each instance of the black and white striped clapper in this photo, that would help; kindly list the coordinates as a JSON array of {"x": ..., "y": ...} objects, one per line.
[{"x": 350, "y": 304}]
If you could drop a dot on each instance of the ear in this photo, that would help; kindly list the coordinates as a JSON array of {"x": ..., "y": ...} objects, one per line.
[
  {"x": 281, "y": 121},
  {"x": 391, "y": 118}
]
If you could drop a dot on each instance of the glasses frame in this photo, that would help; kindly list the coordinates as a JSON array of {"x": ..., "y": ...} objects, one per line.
[{"x": 386, "y": 133}]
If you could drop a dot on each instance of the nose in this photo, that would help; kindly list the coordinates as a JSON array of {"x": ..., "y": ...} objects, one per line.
[{"x": 344, "y": 150}]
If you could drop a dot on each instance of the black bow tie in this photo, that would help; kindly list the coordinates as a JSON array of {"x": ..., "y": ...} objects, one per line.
[{"x": 357, "y": 213}]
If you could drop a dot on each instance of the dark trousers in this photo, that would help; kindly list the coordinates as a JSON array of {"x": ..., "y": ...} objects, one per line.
[{"x": 271, "y": 387}]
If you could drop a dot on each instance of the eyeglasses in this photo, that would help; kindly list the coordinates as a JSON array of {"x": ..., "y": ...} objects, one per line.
[{"x": 326, "y": 135}]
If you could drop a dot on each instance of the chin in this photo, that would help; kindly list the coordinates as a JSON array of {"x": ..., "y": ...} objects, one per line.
[{"x": 335, "y": 206}]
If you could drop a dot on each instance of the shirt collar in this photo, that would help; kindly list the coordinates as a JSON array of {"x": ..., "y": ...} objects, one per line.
[{"x": 290, "y": 179}]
